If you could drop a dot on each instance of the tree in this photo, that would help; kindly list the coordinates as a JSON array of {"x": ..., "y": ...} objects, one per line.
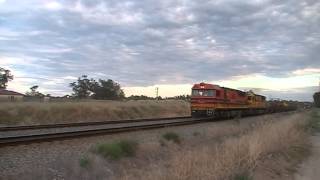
[
  {"x": 316, "y": 98},
  {"x": 183, "y": 97},
  {"x": 83, "y": 88},
  {"x": 103, "y": 89},
  {"x": 5, "y": 77},
  {"x": 139, "y": 97},
  {"x": 107, "y": 90},
  {"x": 34, "y": 92}
]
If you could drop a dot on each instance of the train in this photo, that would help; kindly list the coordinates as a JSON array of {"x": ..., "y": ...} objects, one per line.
[{"x": 223, "y": 102}]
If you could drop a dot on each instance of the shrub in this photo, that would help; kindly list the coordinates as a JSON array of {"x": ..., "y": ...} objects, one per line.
[
  {"x": 84, "y": 161},
  {"x": 316, "y": 98},
  {"x": 243, "y": 176},
  {"x": 171, "y": 136},
  {"x": 117, "y": 150},
  {"x": 314, "y": 122},
  {"x": 196, "y": 133}
]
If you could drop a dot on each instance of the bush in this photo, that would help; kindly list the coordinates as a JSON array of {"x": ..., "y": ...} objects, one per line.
[
  {"x": 316, "y": 98},
  {"x": 314, "y": 122},
  {"x": 117, "y": 150},
  {"x": 242, "y": 177},
  {"x": 84, "y": 161},
  {"x": 196, "y": 133},
  {"x": 171, "y": 136}
]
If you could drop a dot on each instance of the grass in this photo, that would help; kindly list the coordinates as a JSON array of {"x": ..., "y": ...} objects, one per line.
[
  {"x": 84, "y": 162},
  {"x": 28, "y": 113},
  {"x": 117, "y": 150},
  {"x": 314, "y": 122},
  {"x": 235, "y": 155},
  {"x": 171, "y": 136},
  {"x": 243, "y": 176},
  {"x": 196, "y": 134},
  {"x": 202, "y": 157}
]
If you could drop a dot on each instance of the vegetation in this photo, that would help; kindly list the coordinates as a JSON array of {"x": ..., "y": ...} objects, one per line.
[
  {"x": 240, "y": 153},
  {"x": 316, "y": 98},
  {"x": 235, "y": 155},
  {"x": 84, "y": 162},
  {"x": 117, "y": 150},
  {"x": 33, "y": 92},
  {"x": 196, "y": 133},
  {"x": 101, "y": 89},
  {"x": 314, "y": 122},
  {"x": 183, "y": 97},
  {"x": 171, "y": 136},
  {"x": 141, "y": 97},
  {"x": 5, "y": 77},
  {"x": 27, "y": 113},
  {"x": 244, "y": 176}
]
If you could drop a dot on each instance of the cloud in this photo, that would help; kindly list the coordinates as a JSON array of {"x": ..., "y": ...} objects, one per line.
[
  {"x": 306, "y": 71},
  {"x": 145, "y": 43},
  {"x": 108, "y": 13},
  {"x": 299, "y": 94},
  {"x": 53, "y": 5}
]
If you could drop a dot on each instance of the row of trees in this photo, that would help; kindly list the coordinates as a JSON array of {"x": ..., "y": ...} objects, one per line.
[
  {"x": 101, "y": 89},
  {"x": 87, "y": 88},
  {"x": 143, "y": 97}
]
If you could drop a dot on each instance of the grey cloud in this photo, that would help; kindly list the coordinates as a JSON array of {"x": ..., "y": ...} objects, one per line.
[
  {"x": 298, "y": 94},
  {"x": 170, "y": 42}
]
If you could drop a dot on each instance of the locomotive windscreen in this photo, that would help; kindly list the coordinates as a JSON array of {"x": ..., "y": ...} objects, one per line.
[{"x": 203, "y": 92}]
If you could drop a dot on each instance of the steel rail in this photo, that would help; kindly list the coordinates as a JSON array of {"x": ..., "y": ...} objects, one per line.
[
  {"x": 79, "y": 124},
  {"x": 26, "y": 139}
]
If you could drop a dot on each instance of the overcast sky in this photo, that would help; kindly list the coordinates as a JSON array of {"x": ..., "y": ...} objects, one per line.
[{"x": 270, "y": 45}]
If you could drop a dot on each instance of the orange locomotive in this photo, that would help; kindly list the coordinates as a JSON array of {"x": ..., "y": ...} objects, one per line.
[{"x": 213, "y": 100}]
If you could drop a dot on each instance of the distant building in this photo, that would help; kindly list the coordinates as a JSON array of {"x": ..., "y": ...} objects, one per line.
[{"x": 10, "y": 96}]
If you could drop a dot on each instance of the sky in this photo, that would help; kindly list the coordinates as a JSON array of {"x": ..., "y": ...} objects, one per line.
[{"x": 270, "y": 46}]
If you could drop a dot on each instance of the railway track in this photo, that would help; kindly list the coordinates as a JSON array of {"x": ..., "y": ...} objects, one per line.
[
  {"x": 63, "y": 125},
  {"x": 43, "y": 133}
]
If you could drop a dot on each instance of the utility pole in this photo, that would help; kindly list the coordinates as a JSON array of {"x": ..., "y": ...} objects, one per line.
[
  {"x": 319, "y": 84},
  {"x": 157, "y": 93}
]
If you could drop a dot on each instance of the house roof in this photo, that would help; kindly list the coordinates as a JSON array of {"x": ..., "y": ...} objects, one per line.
[{"x": 11, "y": 93}]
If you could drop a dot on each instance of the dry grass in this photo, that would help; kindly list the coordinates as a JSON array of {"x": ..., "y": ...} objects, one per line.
[
  {"x": 63, "y": 112},
  {"x": 231, "y": 150},
  {"x": 234, "y": 158}
]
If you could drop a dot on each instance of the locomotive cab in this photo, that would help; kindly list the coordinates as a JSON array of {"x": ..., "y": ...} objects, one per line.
[
  {"x": 217, "y": 101},
  {"x": 203, "y": 98}
]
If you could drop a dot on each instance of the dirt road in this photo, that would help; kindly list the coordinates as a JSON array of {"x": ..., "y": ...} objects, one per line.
[{"x": 309, "y": 170}]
